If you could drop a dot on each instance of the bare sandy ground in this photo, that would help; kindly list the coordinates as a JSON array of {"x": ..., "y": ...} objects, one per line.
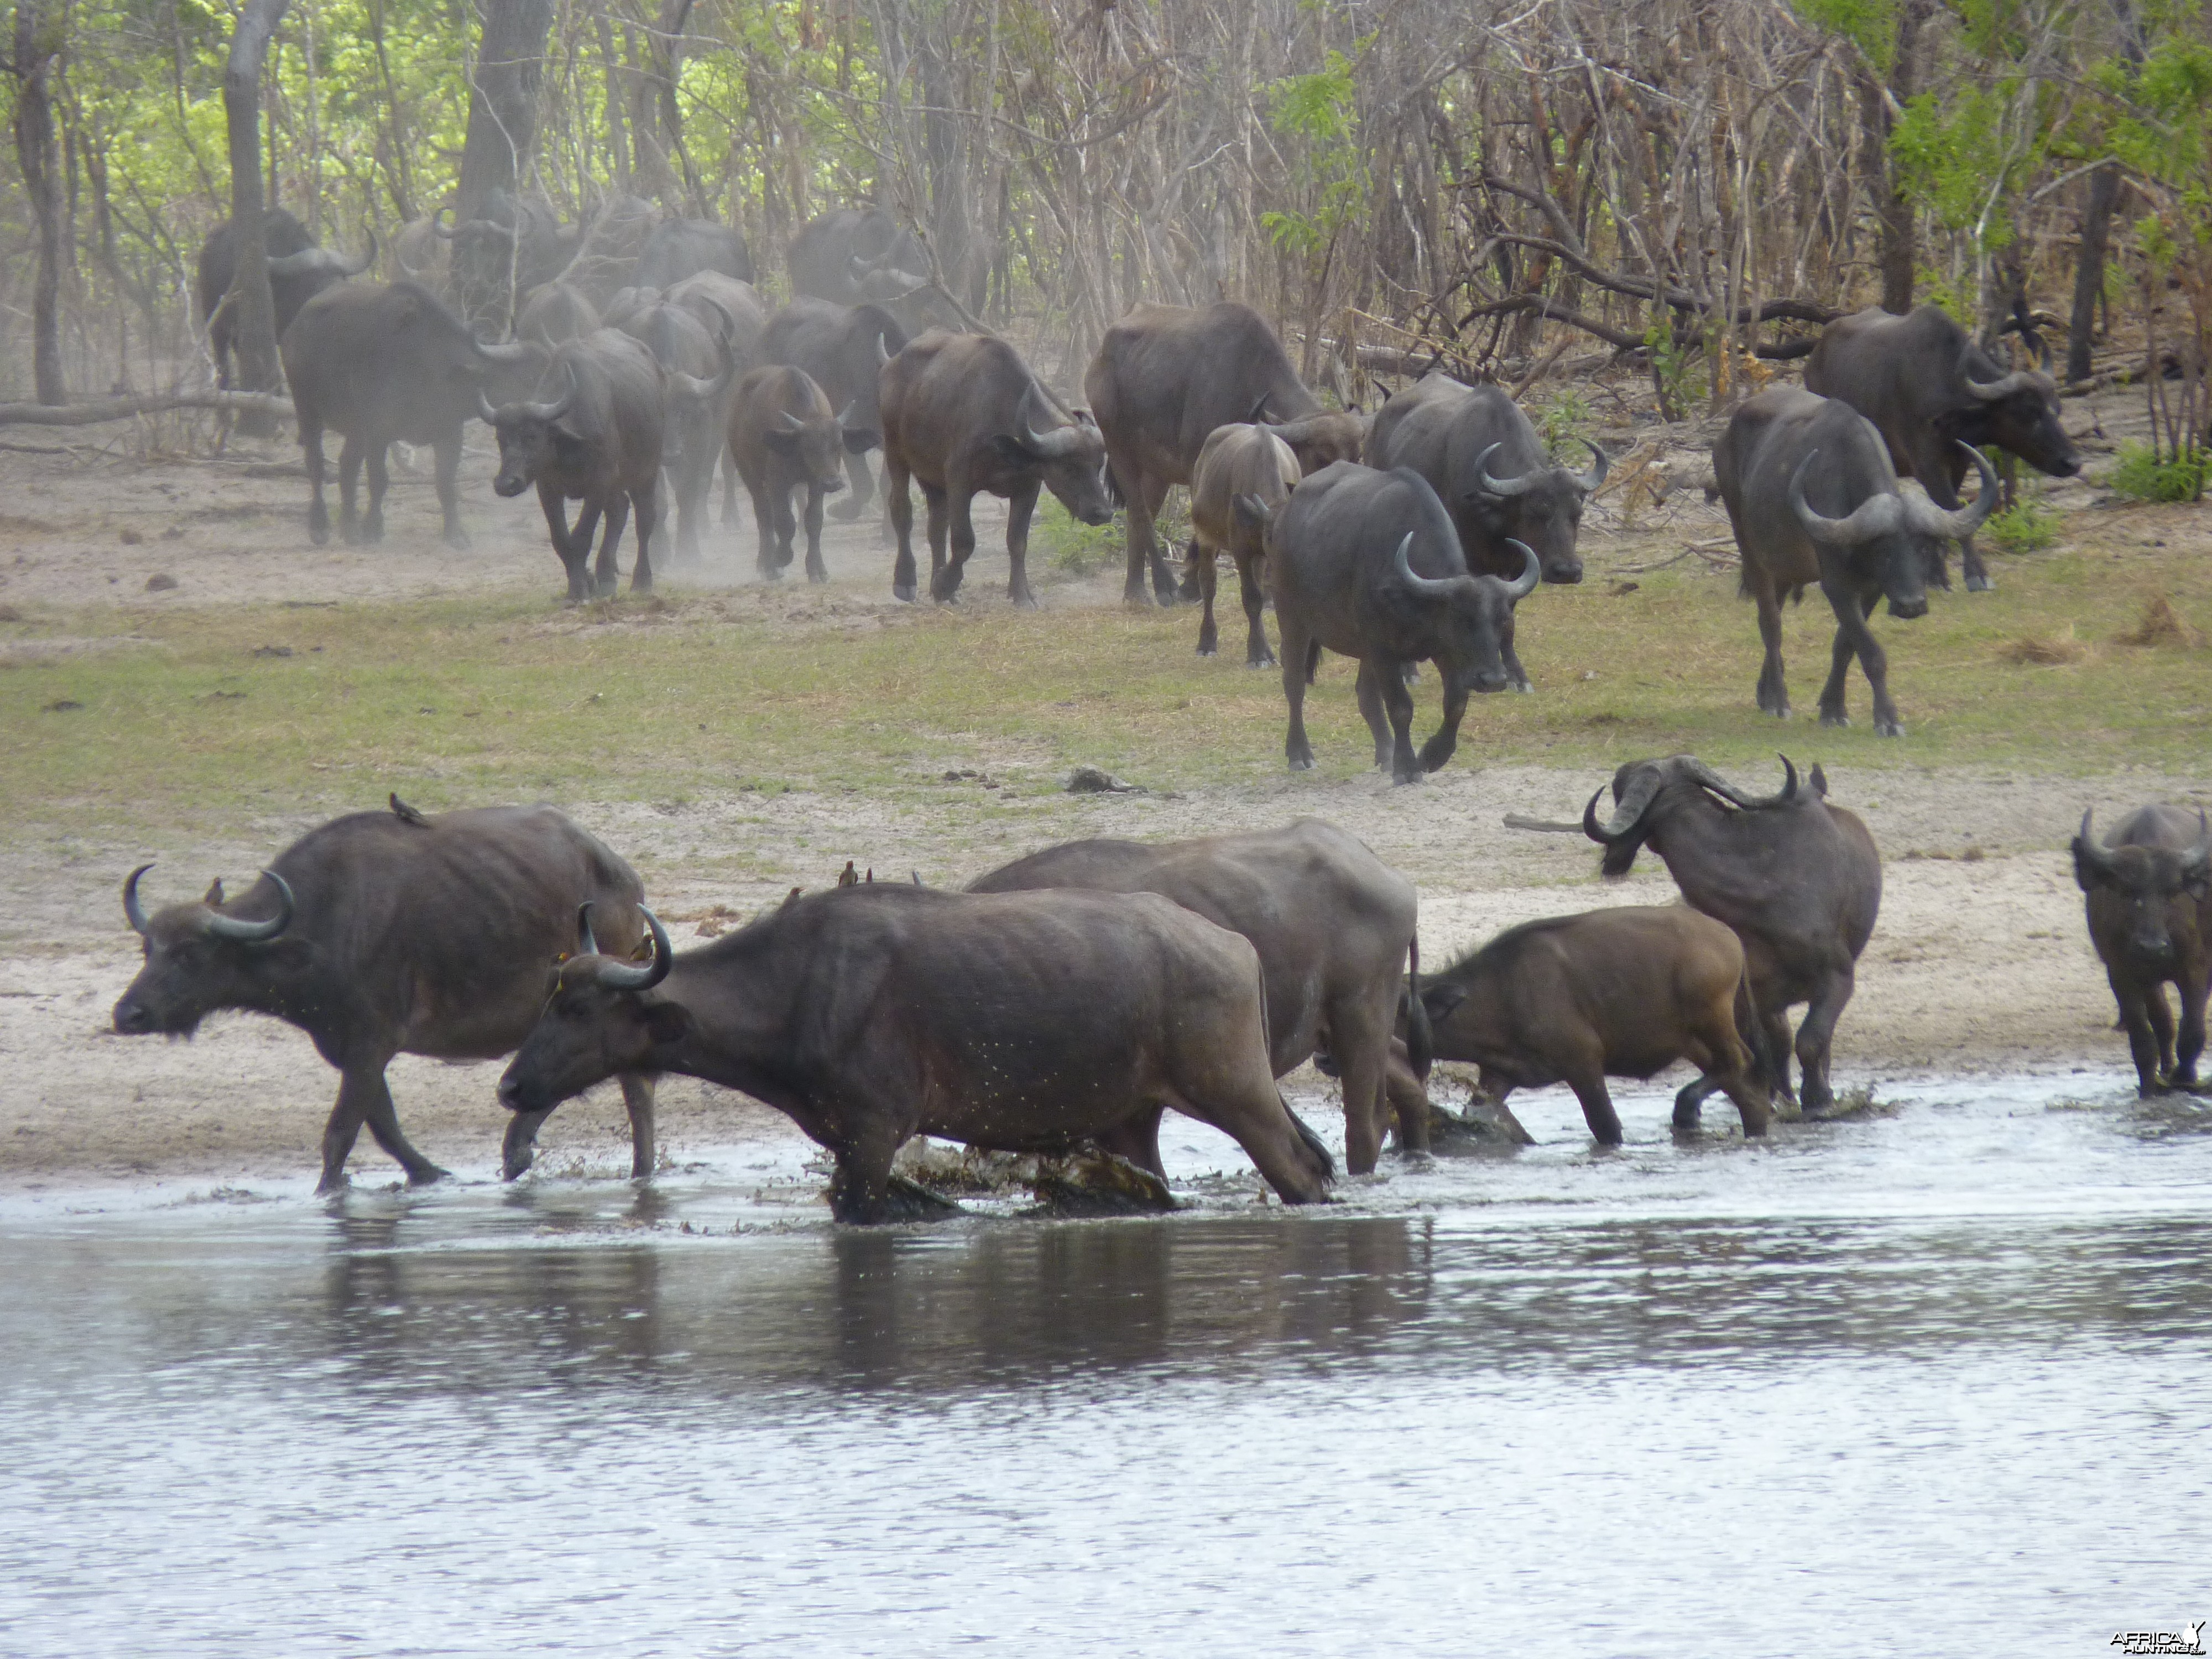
[{"x": 1980, "y": 962}]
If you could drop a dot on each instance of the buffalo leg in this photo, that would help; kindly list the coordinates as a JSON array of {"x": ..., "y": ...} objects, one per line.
[
  {"x": 898, "y": 505},
  {"x": 371, "y": 524},
  {"x": 945, "y": 582},
  {"x": 1200, "y": 580},
  {"x": 2161, "y": 1026},
  {"x": 447, "y": 452},
  {"x": 1021, "y": 506},
  {"x": 1439, "y": 747},
  {"x": 1725, "y": 1062},
  {"x": 1587, "y": 1079},
  {"x": 1405, "y": 766},
  {"x": 786, "y": 524},
  {"x": 1359, "y": 1037},
  {"x": 1855, "y": 638},
  {"x": 1816, "y": 1034},
  {"x": 940, "y": 526},
  {"x": 1296, "y": 748},
  {"x": 2143, "y": 1034},
  {"x": 816, "y": 570},
  {"x": 319, "y": 513},
  {"x": 572, "y": 547},
  {"x": 349, "y": 490},
  {"x": 637, "y": 1095},
  {"x": 2193, "y": 988},
  {"x": 1138, "y": 1139},
  {"x": 1369, "y": 689},
  {"x": 764, "y": 559},
  {"x": 729, "y": 493},
  {"x": 1144, "y": 504},
  {"x": 1255, "y": 597},
  {"x": 860, "y": 1184},
  {"x": 1773, "y": 691},
  {"x": 864, "y": 487},
  {"x": 1242, "y": 1102},
  {"x": 363, "y": 1097},
  {"x": 1942, "y": 469}
]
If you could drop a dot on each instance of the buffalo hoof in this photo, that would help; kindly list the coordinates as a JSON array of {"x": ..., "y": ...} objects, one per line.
[
  {"x": 847, "y": 510},
  {"x": 1268, "y": 661},
  {"x": 770, "y": 573},
  {"x": 428, "y": 1175},
  {"x": 1980, "y": 584},
  {"x": 1522, "y": 686},
  {"x": 1207, "y": 650},
  {"x": 1409, "y": 673},
  {"x": 1302, "y": 762},
  {"x": 1887, "y": 729},
  {"x": 1837, "y": 717},
  {"x": 372, "y": 533},
  {"x": 816, "y": 573},
  {"x": 1098, "y": 1184},
  {"x": 902, "y": 591},
  {"x": 1022, "y": 601},
  {"x": 319, "y": 531},
  {"x": 458, "y": 539},
  {"x": 903, "y": 1200},
  {"x": 605, "y": 585}
]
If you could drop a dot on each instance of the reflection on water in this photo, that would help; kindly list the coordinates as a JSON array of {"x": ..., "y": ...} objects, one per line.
[{"x": 1930, "y": 1382}]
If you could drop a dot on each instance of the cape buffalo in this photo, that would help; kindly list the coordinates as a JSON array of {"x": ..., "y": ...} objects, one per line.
[
  {"x": 734, "y": 313},
  {"x": 1335, "y": 928},
  {"x": 596, "y": 441},
  {"x": 1799, "y": 880},
  {"x": 1621, "y": 992},
  {"x": 2149, "y": 887},
  {"x": 844, "y": 348},
  {"x": 1366, "y": 564},
  {"x": 608, "y": 246},
  {"x": 1238, "y": 461},
  {"x": 700, "y": 370},
  {"x": 1165, "y": 377},
  {"x": 867, "y": 1014},
  {"x": 298, "y": 270},
  {"x": 514, "y": 246},
  {"x": 833, "y": 257},
  {"x": 382, "y": 933},
  {"x": 421, "y": 253},
  {"x": 1929, "y": 389},
  {"x": 555, "y": 311},
  {"x": 1843, "y": 524},
  {"x": 1487, "y": 465},
  {"x": 684, "y": 247},
  {"x": 963, "y": 413},
  {"x": 379, "y": 363},
  {"x": 783, "y": 436}
]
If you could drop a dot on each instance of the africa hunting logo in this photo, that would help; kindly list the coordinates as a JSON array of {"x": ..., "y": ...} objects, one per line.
[{"x": 2189, "y": 1640}]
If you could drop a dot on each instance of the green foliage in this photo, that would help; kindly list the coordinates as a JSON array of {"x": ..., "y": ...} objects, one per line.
[
  {"x": 1071, "y": 547},
  {"x": 1670, "y": 365},
  {"x": 1869, "y": 24},
  {"x": 1320, "y": 111},
  {"x": 2027, "y": 526},
  {"x": 1561, "y": 419},
  {"x": 2141, "y": 476}
]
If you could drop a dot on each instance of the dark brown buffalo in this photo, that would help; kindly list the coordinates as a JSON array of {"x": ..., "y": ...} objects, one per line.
[
  {"x": 598, "y": 440},
  {"x": 783, "y": 436},
  {"x": 833, "y": 257},
  {"x": 1165, "y": 377},
  {"x": 514, "y": 244},
  {"x": 678, "y": 248},
  {"x": 608, "y": 244},
  {"x": 298, "y": 270},
  {"x": 1799, "y": 880},
  {"x": 735, "y": 313},
  {"x": 843, "y": 350},
  {"x": 1813, "y": 499},
  {"x": 867, "y": 1014},
  {"x": 380, "y": 364},
  {"x": 963, "y": 414},
  {"x": 1933, "y": 394},
  {"x": 699, "y": 373},
  {"x": 1335, "y": 928},
  {"x": 383, "y": 933},
  {"x": 555, "y": 311},
  {"x": 1623, "y": 993},
  {"x": 1366, "y": 564},
  {"x": 2149, "y": 885},
  {"x": 1244, "y": 475}
]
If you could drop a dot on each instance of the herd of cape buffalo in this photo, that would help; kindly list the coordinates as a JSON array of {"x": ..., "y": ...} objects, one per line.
[{"x": 1065, "y": 1001}]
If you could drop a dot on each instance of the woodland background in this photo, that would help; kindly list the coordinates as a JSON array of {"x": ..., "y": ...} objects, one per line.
[{"x": 1503, "y": 189}]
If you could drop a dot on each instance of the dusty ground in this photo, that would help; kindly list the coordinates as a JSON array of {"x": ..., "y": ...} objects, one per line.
[{"x": 1979, "y": 963}]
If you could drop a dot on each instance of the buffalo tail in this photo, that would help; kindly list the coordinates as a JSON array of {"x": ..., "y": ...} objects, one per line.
[{"x": 1420, "y": 1039}]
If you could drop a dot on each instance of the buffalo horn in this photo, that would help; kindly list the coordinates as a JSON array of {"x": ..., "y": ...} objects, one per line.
[
  {"x": 586, "y": 945},
  {"x": 2197, "y": 862},
  {"x": 559, "y": 406},
  {"x": 845, "y": 415},
  {"x": 299, "y": 263},
  {"x": 2089, "y": 850},
  {"x": 1588, "y": 482},
  {"x": 1930, "y": 520},
  {"x": 1426, "y": 586},
  {"x": 437, "y": 225},
  {"x": 693, "y": 387},
  {"x": 1532, "y": 572},
  {"x": 883, "y": 350},
  {"x": 1630, "y": 812},
  {"x": 622, "y": 976},
  {"x": 133, "y": 912},
  {"x": 1713, "y": 781},
  {"x": 1990, "y": 390},
  {"x": 1877, "y": 515},
  {"x": 1520, "y": 485},
  {"x": 514, "y": 351},
  {"x": 790, "y": 422},
  {"x": 1254, "y": 509},
  {"x": 355, "y": 267},
  {"x": 1259, "y": 415},
  {"x": 256, "y": 932},
  {"x": 485, "y": 411},
  {"x": 1061, "y": 441}
]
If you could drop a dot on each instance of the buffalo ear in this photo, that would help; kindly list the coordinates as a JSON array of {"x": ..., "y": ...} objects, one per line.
[
  {"x": 782, "y": 442},
  {"x": 667, "y": 1024},
  {"x": 1012, "y": 449},
  {"x": 214, "y": 893},
  {"x": 562, "y": 430},
  {"x": 2085, "y": 872},
  {"x": 1440, "y": 997},
  {"x": 858, "y": 440}
]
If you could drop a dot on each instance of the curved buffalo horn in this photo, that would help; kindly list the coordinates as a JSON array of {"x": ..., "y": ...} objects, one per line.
[
  {"x": 1989, "y": 391},
  {"x": 256, "y": 932},
  {"x": 485, "y": 412},
  {"x": 133, "y": 912},
  {"x": 1259, "y": 415},
  {"x": 883, "y": 350},
  {"x": 1930, "y": 520},
  {"x": 1520, "y": 485},
  {"x": 1061, "y": 441},
  {"x": 1877, "y": 515},
  {"x": 1713, "y": 781},
  {"x": 845, "y": 415},
  {"x": 693, "y": 387},
  {"x": 1629, "y": 813},
  {"x": 1590, "y": 481},
  {"x": 1532, "y": 572},
  {"x": 299, "y": 263},
  {"x": 1426, "y": 586},
  {"x": 586, "y": 945},
  {"x": 622, "y": 976},
  {"x": 2089, "y": 850},
  {"x": 559, "y": 406},
  {"x": 438, "y": 227},
  {"x": 355, "y": 267},
  {"x": 790, "y": 422},
  {"x": 514, "y": 351}
]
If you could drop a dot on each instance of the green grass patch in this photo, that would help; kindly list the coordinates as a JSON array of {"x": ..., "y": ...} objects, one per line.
[
  {"x": 191, "y": 717},
  {"x": 2141, "y": 476},
  {"x": 2027, "y": 526}
]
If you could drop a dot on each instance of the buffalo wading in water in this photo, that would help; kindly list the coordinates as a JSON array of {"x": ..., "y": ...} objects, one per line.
[
  {"x": 381, "y": 364},
  {"x": 783, "y": 436},
  {"x": 1618, "y": 993},
  {"x": 1335, "y": 928},
  {"x": 1366, "y": 564},
  {"x": 1814, "y": 500},
  {"x": 1164, "y": 378},
  {"x": 1929, "y": 390},
  {"x": 2149, "y": 887},
  {"x": 383, "y": 933},
  {"x": 1487, "y": 465},
  {"x": 1798, "y": 879},
  {"x": 842, "y": 350},
  {"x": 298, "y": 270},
  {"x": 598, "y": 440},
  {"x": 962, "y": 413},
  {"x": 1244, "y": 474},
  {"x": 868, "y": 1014}
]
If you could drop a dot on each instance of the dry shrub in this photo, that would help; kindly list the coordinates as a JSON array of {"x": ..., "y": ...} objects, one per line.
[
  {"x": 2161, "y": 624},
  {"x": 2045, "y": 650}
]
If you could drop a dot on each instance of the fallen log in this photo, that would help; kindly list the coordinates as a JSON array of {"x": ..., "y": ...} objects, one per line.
[{"x": 124, "y": 409}]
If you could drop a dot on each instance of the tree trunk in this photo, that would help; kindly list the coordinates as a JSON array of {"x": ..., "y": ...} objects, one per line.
[
  {"x": 2096, "y": 226},
  {"x": 253, "y": 314},
  {"x": 503, "y": 100},
  {"x": 38, "y": 38},
  {"x": 1899, "y": 255}
]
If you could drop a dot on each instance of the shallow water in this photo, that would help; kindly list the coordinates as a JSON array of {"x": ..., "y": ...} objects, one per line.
[{"x": 1933, "y": 1380}]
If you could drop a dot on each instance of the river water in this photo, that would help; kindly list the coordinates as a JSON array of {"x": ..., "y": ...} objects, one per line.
[{"x": 1934, "y": 1380}]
